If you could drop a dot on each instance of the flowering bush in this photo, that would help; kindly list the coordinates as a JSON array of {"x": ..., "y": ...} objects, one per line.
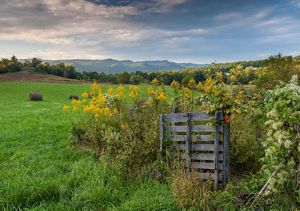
[
  {"x": 282, "y": 146},
  {"x": 122, "y": 133}
]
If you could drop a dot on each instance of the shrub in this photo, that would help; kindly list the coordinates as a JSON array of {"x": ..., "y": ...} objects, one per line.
[
  {"x": 125, "y": 136},
  {"x": 245, "y": 144}
]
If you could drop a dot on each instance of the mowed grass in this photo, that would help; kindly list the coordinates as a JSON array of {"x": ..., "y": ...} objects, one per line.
[{"x": 40, "y": 168}]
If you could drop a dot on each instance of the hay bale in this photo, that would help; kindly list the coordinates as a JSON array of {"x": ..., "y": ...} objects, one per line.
[
  {"x": 74, "y": 97},
  {"x": 35, "y": 96}
]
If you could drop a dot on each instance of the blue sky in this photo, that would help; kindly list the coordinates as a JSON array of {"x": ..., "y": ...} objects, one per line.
[{"x": 178, "y": 30}]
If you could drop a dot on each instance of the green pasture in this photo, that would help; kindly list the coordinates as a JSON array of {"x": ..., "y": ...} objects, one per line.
[{"x": 40, "y": 169}]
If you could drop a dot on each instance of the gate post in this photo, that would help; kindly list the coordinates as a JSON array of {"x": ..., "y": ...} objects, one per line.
[
  {"x": 226, "y": 142},
  {"x": 218, "y": 119},
  {"x": 189, "y": 142}
]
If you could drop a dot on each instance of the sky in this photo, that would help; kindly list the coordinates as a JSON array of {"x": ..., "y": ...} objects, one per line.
[{"x": 197, "y": 31}]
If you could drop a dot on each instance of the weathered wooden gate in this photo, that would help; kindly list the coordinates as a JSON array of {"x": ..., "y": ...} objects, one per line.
[{"x": 201, "y": 140}]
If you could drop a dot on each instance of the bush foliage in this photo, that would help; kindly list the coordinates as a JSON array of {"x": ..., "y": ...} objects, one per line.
[{"x": 123, "y": 129}]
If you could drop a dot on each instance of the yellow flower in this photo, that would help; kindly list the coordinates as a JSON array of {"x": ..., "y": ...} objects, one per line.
[
  {"x": 192, "y": 84},
  {"x": 66, "y": 108},
  {"x": 106, "y": 111},
  {"x": 96, "y": 89},
  {"x": 232, "y": 78},
  {"x": 199, "y": 86},
  {"x": 208, "y": 85},
  {"x": 84, "y": 94},
  {"x": 134, "y": 91},
  {"x": 186, "y": 92},
  {"x": 100, "y": 100},
  {"x": 120, "y": 91},
  {"x": 110, "y": 91},
  {"x": 155, "y": 82},
  {"x": 175, "y": 84},
  {"x": 161, "y": 97},
  {"x": 219, "y": 75},
  {"x": 75, "y": 105},
  {"x": 150, "y": 91},
  {"x": 88, "y": 109}
]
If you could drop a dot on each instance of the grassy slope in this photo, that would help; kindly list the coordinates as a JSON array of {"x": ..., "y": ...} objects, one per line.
[
  {"x": 27, "y": 74},
  {"x": 39, "y": 167}
]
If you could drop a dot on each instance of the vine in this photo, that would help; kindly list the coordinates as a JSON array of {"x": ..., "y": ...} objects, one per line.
[{"x": 282, "y": 146}]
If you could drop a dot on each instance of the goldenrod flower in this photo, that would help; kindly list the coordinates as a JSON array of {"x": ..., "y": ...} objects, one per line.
[
  {"x": 175, "y": 84},
  {"x": 100, "y": 100},
  {"x": 89, "y": 109},
  {"x": 208, "y": 85},
  {"x": 134, "y": 91},
  {"x": 83, "y": 101},
  {"x": 150, "y": 91},
  {"x": 199, "y": 86},
  {"x": 219, "y": 75},
  {"x": 155, "y": 82},
  {"x": 192, "y": 83},
  {"x": 66, "y": 108},
  {"x": 186, "y": 92},
  {"x": 120, "y": 91},
  {"x": 96, "y": 89},
  {"x": 106, "y": 111},
  {"x": 110, "y": 91},
  {"x": 75, "y": 105},
  {"x": 84, "y": 94},
  {"x": 161, "y": 97}
]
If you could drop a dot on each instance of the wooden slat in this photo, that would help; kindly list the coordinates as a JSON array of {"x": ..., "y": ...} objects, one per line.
[
  {"x": 177, "y": 128},
  {"x": 177, "y": 138},
  {"x": 216, "y": 143},
  {"x": 175, "y": 117},
  {"x": 226, "y": 141},
  {"x": 205, "y": 165},
  {"x": 200, "y": 116},
  {"x": 183, "y": 117},
  {"x": 210, "y": 176},
  {"x": 203, "y": 156},
  {"x": 203, "y": 128},
  {"x": 195, "y": 138},
  {"x": 195, "y": 128},
  {"x": 200, "y": 147},
  {"x": 206, "y": 156},
  {"x": 201, "y": 138},
  {"x": 205, "y": 147}
]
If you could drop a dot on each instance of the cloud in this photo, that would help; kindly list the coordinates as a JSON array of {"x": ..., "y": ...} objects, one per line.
[{"x": 138, "y": 29}]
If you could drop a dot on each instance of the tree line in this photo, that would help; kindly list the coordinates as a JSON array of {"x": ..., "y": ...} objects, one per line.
[{"x": 261, "y": 72}]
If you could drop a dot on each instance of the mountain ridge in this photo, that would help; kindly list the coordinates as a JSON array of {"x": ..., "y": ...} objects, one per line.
[{"x": 111, "y": 66}]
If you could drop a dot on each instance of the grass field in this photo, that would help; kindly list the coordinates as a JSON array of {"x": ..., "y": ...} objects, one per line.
[{"x": 41, "y": 169}]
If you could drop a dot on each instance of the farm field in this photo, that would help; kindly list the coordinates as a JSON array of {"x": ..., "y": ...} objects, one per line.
[{"x": 41, "y": 169}]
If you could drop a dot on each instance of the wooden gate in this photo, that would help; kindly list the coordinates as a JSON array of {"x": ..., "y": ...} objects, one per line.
[{"x": 201, "y": 140}]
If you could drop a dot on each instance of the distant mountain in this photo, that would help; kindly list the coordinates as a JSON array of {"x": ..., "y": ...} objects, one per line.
[{"x": 115, "y": 66}]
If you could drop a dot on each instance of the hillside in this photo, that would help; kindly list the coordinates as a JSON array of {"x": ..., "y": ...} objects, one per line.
[
  {"x": 115, "y": 66},
  {"x": 28, "y": 75}
]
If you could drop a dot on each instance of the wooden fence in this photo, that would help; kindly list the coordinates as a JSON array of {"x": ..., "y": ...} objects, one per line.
[{"x": 201, "y": 141}]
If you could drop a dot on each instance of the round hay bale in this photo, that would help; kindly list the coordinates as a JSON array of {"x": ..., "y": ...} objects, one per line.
[
  {"x": 35, "y": 96},
  {"x": 74, "y": 97}
]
